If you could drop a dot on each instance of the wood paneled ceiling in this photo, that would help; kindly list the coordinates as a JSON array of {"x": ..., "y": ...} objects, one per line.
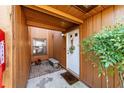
[
  {"x": 85, "y": 8},
  {"x": 59, "y": 17},
  {"x": 40, "y": 19},
  {"x": 81, "y": 11},
  {"x": 70, "y": 10}
]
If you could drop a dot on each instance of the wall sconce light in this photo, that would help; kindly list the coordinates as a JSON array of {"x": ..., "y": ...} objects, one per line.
[{"x": 62, "y": 35}]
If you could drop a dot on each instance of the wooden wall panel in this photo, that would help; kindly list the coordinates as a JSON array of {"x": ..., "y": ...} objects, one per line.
[
  {"x": 108, "y": 19},
  {"x": 6, "y": 26},
  {"x": 56, "y": 44},
  {"x": 89, "y": 65},
  {"x": 50, "y": 35},
  {"x": 96, "y": 28},
  {"x": 40, "y": 33},
  {"x": 119, "y": 15},
  {"x": 100, "y": 20},
  {"x": 83, "y": 64},
  {"x": 21, "y": 46},
  {"x": 59, "y": 48}
]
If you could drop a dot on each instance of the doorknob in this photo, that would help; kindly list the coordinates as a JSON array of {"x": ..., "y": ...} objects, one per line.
[{"x": 67, "y": 51}]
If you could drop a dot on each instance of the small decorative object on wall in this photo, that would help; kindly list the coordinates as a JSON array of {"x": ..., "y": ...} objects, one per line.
[{"x": 39, "y": 46}]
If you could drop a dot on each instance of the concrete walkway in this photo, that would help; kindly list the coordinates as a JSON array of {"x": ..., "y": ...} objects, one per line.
[{"x": 52, "y": 80}]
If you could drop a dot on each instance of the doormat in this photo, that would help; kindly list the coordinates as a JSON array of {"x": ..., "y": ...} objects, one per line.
[{"x": 69, "y": 78}]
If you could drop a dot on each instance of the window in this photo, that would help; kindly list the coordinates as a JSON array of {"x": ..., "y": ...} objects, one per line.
[
  {"x": 39, "y": 47},
  {"x": 76, "y": 34},
  {"x": 70, "y": 36}
]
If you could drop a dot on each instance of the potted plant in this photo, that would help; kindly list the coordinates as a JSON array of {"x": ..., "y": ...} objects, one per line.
[{"x": 106, "y": 48}]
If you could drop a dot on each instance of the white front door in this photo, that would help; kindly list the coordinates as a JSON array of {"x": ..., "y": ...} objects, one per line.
[{"x": 73, "y": 56}]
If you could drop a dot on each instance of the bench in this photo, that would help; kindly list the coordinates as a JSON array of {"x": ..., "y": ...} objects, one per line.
[{"x": 54, "y": 62}]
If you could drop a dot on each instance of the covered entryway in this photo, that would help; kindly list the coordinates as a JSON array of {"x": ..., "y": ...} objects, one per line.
[
  {"x": 43, "y": 37},
  {"x": 60, "y": 20}
]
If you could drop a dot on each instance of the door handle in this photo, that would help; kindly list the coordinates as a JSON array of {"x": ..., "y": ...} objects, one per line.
[{"x": 67, "y": 51}]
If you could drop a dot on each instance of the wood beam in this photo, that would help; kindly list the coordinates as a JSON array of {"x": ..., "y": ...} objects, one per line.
[
  {"x": 41, "y": 25},
  {"x": 70, "y": 29},
  {"x": 55, "y": 12}
]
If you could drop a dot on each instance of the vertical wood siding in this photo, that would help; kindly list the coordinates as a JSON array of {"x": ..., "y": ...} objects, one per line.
[
  {"x": 92, "y": 25},
  {"x": 41, "y": 33},
  {"x": 59, "y": 48},
  {"x": 22, "y": 54}
]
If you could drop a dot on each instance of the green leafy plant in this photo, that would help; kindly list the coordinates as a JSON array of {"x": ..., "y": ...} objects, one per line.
[
  {"x": 106, "y": 48},
  {"x": 71, "y": 49}
]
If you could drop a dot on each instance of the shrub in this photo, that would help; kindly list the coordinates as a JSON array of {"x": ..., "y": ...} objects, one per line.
[{"x": 108, "y": 47}]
